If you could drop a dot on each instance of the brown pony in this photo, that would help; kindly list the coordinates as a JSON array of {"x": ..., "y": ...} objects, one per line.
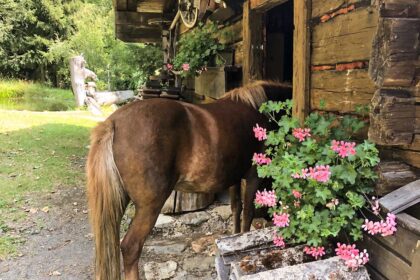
[{"x": 146, "y": 149}]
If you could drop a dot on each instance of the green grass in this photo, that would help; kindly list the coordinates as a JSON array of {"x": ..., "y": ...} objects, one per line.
[
  {"x": 38, "y": 151},
  {"x": 23, "y": 95}
]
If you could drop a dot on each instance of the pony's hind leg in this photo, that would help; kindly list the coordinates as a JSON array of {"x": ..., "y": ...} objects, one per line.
[
  {"x": 146, "y": 214},
  {"x": 236, "y": 206}
]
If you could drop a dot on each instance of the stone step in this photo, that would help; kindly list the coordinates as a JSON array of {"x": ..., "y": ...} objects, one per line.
[{"x": 328, "y": 269}]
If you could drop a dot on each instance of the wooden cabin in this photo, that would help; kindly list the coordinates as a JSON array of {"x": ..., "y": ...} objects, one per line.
[{"x": 340, "y": 55}]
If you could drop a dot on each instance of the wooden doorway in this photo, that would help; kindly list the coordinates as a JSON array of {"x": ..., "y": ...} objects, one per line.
[
  {"x": 263, "y": 33},
  {"x": 278, "y": 62}
]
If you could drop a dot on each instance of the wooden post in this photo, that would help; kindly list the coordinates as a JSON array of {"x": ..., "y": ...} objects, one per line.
[
  {"x": 253, "y": 44},
  {"x": 301, "y": 58},
  {"x": 78, "y": 79}
]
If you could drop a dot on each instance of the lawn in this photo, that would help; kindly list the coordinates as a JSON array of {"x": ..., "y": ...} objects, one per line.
[
  {"x": 38, "y": 152},
  {"x": 24, "y": 95}
]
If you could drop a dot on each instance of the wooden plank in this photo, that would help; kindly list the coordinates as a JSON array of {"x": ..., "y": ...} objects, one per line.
[
  {"x": 265, "y": 5},
  {"x": 356, "y": 80},
  {"x": 415, "y": 145},
  {"x": 400, "y": 8},
  {"x": 374, "y": 274},
  {"x": 392, "y": 175},
  {"x": 401, "y": 199},
  {"x": 253, "y": 40},
  {"x": 231, "y": 34},
  {"x": 410, "y": 157},
  {"x": 301, "y": 59},
  {"x": 390, "y": 266},
  {"x": 415, "y": 269},
  {"x": 394, "y": 52},
  {"x": 345, "y": 38},
  {"x": 322, "y": 7},
  {"x": 402, "y": 242},
  {"x": 120, "y": 5},
  {"x": 392, "y": 117},
  {"x": 341, "y": 91},
  {"x": 346, "y": 102}
]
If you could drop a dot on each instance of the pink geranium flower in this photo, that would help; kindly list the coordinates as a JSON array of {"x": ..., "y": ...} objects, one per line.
[
  {"x": 315, "y": 252},
  {"x": 297, "y": 194},
  {"x": 358, "y": 260},
  {"x": 346, "y": 252},
  {"x": 261, "y": 159},
  {"x": 169, "y": 66},
  {"x": 185, "y": 67},
  {"x": 344, "y": 149},
  {"x": 320, "y": 173},
  {"x": 281, "y": 220},
  {"x": 266, "y": 198},
  {"x": 301, "y": 133},
  {"x": 279, "y": 241},
  {"x": 260, "y": 133},
  {"x": 385, "y": 228}
]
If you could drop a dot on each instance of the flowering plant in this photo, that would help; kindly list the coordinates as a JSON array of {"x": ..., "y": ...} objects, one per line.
[
  {"x": 196, "y": 50},
  {"x": 320, "y": 181}
]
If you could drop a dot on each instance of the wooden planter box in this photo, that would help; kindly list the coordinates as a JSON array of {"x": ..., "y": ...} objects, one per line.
[
  {"x": 397, "y": 256},
  {"x": 216, "y": 81}
]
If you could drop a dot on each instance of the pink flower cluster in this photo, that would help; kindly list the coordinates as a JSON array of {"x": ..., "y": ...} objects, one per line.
[
  {"x": 279, "y": 241},
  {"x": 169, "y": 66},
  {"x": 385, "y": 228},
  {"x": 186, "y": 67},
  {"x": 261, "y": 159},
  {"x": 301, "y": 133},
  {"x": 320, "y": 173},
  {"x": 297, "y": 194},
  {"x": 351, "y": 256},
  {"x": 281, "y": 220},
  {"x": 346, "y": 252},
  {"x": 344, "y": 149},
  {"x": 260, "y": 133},
  {"x": 266, "y": 198},
  {"x": 315, "y": 252},
  {"x": 357, "y": 261}
]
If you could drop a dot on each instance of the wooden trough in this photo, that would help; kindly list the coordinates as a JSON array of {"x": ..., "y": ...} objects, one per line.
[{"x": 398, "y": 256}]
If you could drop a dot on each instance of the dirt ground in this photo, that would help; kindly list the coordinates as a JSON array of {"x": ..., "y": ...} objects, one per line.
[{"x": 58, "y": 243}]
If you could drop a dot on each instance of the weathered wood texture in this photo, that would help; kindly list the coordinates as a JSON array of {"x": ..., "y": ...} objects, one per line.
[
  {"x": 345, "y": 38},
  {"x": 211, "y": 83},
  {"x": 383, "y": 260},
  {"x": 322, "y": 7},
  {"x": 179, "y": 202},
  {"x": 401, "y": 199},
  {"x": 265, "y": 5},
  {"x": 341, "y": 91},
  {"x": 392, "y": 118},
  {"x": 399, "y": 8},
  {"x": 253, "y": 44},
  {"x": 415, "y": 145},
  {"x": 395, "y": 52},
  {"x": 238, "y": 54},
  {"x": 409, "y": 157},
  {"x": 392, "y": 175},
  {"x": 395, "y": 257},
  {"x": 301, "y": 58}
]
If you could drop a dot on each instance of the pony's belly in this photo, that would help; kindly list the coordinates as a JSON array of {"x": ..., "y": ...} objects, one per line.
[{"x": 188, "y": 186}]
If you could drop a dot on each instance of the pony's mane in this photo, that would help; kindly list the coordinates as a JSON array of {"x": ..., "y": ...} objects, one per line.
[{"x": 252, "y": 94}]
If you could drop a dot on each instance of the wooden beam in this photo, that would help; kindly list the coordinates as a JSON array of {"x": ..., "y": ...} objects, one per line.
[
  {"x": 265, "y": 5},
  {"x": 301, "y": 58},
  {"x": 395, "y": 52},
  {"x": 346, "y": 38},
  {"x": 253, "y": 44}
]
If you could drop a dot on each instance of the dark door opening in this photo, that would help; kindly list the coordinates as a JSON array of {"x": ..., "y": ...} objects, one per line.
[{"x": 279, "y": 43}]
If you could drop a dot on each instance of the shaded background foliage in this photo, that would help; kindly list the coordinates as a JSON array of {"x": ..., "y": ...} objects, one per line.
[{"x": 37, "y": 38}]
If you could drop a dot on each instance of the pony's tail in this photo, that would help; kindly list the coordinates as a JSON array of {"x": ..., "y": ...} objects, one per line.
[{"x": 106, "y": 202}]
